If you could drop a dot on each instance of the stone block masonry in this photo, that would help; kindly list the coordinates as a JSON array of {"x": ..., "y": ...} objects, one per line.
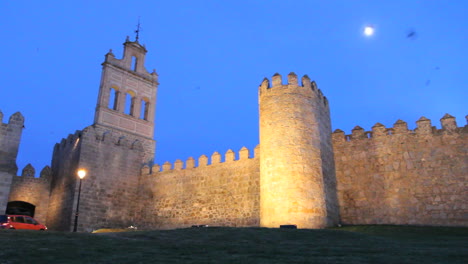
[
  {"x": 219, "y": 194},
  {"x": 399, "y": 176},
  {"x": 10, "y": 136},
  {"x": 34, "y": 190},
  {"x": 114, "y": 160},
  {"x": 65, "y": 163},
  {"x": 296, "y": 186}
]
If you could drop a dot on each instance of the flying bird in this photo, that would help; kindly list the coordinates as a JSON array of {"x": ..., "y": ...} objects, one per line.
[{"x": 411, "y": 34}]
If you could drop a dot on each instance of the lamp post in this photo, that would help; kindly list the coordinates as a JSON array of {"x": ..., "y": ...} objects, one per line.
[{"x": 81, "y": 174}]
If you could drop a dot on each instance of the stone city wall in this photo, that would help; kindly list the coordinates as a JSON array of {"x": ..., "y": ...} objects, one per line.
[
  {"x": 65, "y": 160},
  {"x": 113, "y": 160},
  {"x": 33, "y": 190},
  {"x": 222, "y": 193},
  {"x": 400, "y": 176}
]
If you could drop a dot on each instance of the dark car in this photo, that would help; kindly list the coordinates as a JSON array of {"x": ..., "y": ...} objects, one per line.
[{"x": 20, "y": 222}]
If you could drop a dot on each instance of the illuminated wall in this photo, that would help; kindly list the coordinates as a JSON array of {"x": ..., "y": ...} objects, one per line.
[
  {"x": 400, "y": 176},
  {"x": 33, "y": 190},
  {"x": 224, "y": 192},
  {"x": 297, "y": 178}
]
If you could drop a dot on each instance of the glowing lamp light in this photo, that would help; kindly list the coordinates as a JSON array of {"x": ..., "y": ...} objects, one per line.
[{"x": 81, "y": 173}]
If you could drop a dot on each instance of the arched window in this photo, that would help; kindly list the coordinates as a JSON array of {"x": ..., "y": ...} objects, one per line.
[
  {"x": 144, "y": 107},
  {"x": 129, "y": 103},
  {"x": 113, "y": 95},
  {"x": 134, "y": 63}
]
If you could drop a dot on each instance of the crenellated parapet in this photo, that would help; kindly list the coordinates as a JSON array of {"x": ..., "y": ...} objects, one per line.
[
  {"x": 107, "y": 136},
  {"x": 400, "y": 127},
  {"x": 203, "y": 161},
  {"x": 30, "y": 172},
  {"x": 306, "y": 86},
  {"x": 70, "y": 141},
  {"x": 402, "y": 176},
  {"x": 101, "y": 137},
  {"x": 45, "y": 173},
  {"x": 10, "y": 136},
  {"x": 16, "y": 120}
]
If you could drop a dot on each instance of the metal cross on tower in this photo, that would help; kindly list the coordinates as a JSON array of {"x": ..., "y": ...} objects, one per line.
[{"x": 137, "y": 31}]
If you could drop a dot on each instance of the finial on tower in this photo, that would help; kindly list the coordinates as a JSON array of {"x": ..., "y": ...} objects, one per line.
[{"x": 137, "y": 31}]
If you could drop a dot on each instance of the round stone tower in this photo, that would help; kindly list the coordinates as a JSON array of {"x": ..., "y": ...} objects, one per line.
[{"x": 297, "y": 174}]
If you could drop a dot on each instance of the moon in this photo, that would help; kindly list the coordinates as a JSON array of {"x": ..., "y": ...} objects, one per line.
[{"x": 369, "y": 31}]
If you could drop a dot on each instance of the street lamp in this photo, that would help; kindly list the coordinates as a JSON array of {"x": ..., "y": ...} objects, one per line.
[{"x": 81, "y": 174}]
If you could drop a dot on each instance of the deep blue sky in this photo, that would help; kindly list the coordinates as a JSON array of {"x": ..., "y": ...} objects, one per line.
[{"x": 212, "y": 55}]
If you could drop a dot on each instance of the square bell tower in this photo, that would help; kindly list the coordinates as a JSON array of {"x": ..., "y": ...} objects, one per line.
[{"x": 127, "y": 93}]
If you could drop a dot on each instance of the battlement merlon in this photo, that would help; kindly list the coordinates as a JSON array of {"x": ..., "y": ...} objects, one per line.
[
  {"x": 71, "y": 139},
  {"x": 424, "y": 127},
  {"x": 10, "y": 138},
  {"x": 229, "y": 156},
  {"x": 307, "y": 86},
  {"x": 133, "y": 60},
  {"x": 16, "y": 119},
  {"x": 103, "y": 136},
  {"x": 30, "y": 172}
]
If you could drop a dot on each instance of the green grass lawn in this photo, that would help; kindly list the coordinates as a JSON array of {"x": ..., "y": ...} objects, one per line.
[{"x": 353, "y": 244}]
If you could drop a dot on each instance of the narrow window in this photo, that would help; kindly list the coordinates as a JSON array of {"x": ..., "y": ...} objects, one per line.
[
  {"x": 129, "y": 103},
  {"x": 112, "y": 103},
  {"x": 144, "y": 109},
  {"x": 134, "y": 63},
  {"x": 132, "y": 107}
]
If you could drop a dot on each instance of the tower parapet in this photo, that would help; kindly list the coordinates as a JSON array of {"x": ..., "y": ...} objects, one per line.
[
  {"x": 297, "y": 180},
  {"x": 307, "y": 86},
  {"x": 10, "y": 136}
]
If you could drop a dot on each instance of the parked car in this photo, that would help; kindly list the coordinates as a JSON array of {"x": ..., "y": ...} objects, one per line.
[{"x": 20, "y": 222}]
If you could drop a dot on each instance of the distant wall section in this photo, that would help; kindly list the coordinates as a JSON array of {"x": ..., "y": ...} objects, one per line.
[
  {"x": 33, "y": 190},
  {"x": 219, "y": 194},
  {"x": 398, "y": 176}
]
